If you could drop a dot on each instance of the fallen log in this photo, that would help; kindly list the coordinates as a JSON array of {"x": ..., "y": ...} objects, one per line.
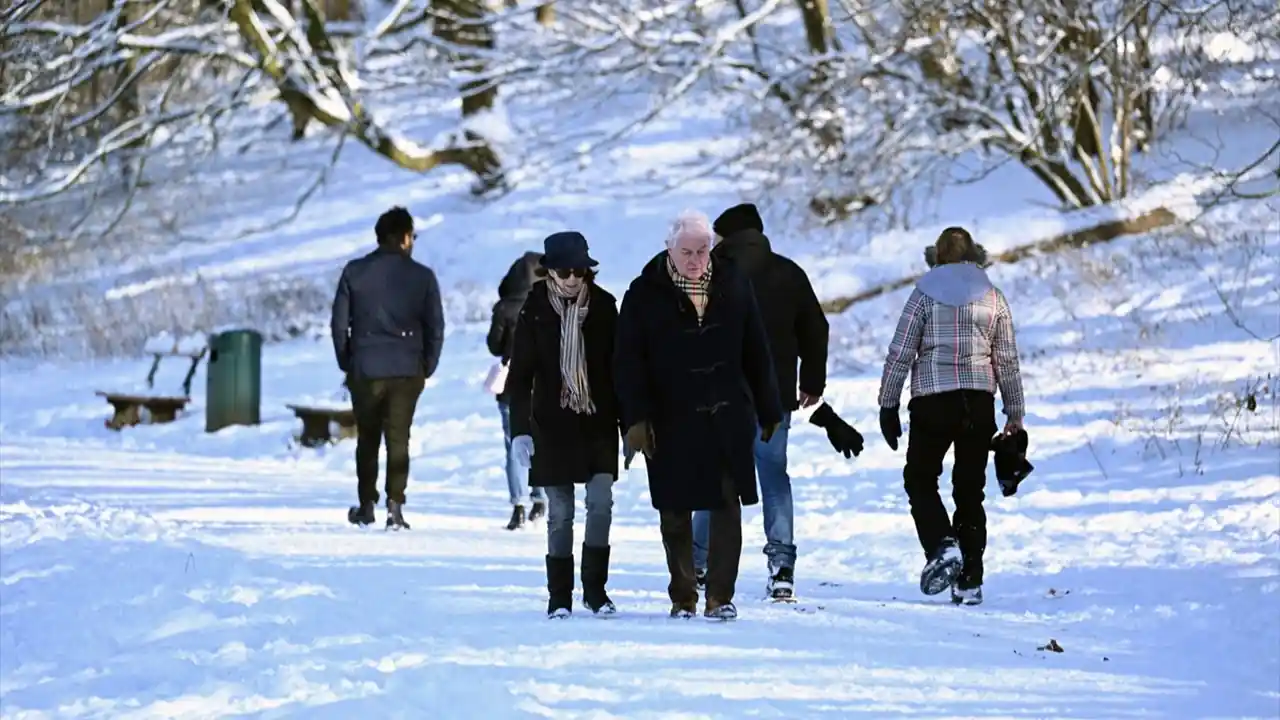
[{"x": 1098, "y": 234}]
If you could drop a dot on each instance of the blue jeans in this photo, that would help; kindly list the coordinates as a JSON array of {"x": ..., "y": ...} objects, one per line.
[
  {"x": 775, "y": 496},
  {"x": 517, "y": 477}
]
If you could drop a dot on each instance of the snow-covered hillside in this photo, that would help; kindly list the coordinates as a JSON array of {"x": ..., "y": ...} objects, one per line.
[{"x": 163, "y": 572}]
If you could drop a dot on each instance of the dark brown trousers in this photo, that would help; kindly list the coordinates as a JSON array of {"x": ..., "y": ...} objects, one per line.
[{"x": 723, "y": 553}]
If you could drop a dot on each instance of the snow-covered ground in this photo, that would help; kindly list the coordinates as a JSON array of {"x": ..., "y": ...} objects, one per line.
[{"x": 163, "y": 572}]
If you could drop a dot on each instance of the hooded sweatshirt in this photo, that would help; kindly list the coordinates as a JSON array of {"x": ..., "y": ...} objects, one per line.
[{"x": 955, "y": 333}]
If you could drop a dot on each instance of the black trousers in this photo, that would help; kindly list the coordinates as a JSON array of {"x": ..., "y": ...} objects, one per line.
[
  {"x": 722, "y": 557},
  {"x": 965, "y": 419},
  {"x": 384, "y": 408}
]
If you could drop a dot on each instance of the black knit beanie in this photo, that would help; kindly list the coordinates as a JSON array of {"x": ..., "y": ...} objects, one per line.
[{"x": 738, "y": 218}]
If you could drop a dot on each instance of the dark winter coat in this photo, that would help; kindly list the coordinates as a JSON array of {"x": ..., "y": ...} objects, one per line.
[
  {"x": 512, "y": 292},
  {"x": 568, "y": 447},
  {"x": 387, "y": 318},
  {"x": 793, "y": 318},
  {"x": 704, "y": 389}
]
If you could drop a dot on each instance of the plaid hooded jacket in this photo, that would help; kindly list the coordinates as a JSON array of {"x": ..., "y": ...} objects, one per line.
[{"x": 955, "y": 333}]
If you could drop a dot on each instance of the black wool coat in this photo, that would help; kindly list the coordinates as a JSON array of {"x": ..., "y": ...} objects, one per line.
[
  {"x": 704, "y": 389},
  {"x": 568, "y": 447}
]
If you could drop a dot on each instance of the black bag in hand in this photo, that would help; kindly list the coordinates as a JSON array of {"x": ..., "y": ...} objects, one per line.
[
  {"x": 843, "y": 437},
  {"x": 1012, "y": 466}
]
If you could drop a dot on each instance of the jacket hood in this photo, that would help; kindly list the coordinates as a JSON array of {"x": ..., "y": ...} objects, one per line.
[
  {"x": 955, "y": 284},
  {"x": 748, "y": 249}
]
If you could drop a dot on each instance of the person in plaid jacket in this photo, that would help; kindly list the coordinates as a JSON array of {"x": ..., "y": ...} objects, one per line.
[{"x": 956, "y": 339}]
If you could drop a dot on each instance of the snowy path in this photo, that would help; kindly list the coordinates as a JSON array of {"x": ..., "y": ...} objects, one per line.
[{"x": 153, "y": 575}]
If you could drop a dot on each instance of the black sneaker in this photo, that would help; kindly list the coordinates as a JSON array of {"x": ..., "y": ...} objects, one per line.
[
  {"x": 395, "y": 517},
  {"x": 517, "y": 518},
  {"x": 700, "y": 578},
  {"x": 942, "y": 569},
  {"x": 966, "y": 596},
  {"x": 361, "y": 514},
  {"x": 782, "y": 584},
  {"x": 539, "y": 510}
]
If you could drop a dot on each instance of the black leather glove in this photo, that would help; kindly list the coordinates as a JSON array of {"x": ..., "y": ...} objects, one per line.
[
  {"x": 890, "y": 426},
  {"x": 842, "y": 436}
]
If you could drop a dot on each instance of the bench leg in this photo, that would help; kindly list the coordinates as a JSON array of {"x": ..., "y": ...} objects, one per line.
[
  {"x": 347, "y": 432},
  {"x": 124, "y": 415},
  {"x": 315, "y": 432},
  {"x": 165, "y": 414}
]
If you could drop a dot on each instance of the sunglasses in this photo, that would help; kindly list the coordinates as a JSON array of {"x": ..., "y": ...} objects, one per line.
[{"x": 564, "y": 274}]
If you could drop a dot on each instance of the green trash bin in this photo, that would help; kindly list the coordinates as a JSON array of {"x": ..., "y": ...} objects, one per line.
[{"x": 234, "y": 380}]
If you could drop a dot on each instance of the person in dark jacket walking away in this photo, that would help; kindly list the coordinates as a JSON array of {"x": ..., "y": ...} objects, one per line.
[
  {"x": 956, "y": 339},
  {"x": 388, "y": 331},
  {"x": 512, "y": 292},
  {"x": 798, "y": 333},
  {"x": 564, "y": 414},
  {"x": 696, "y": 385}
]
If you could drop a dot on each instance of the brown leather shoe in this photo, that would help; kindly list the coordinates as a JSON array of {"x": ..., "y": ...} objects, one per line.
[
  {"x": 716, "y": 610},
  {"x": 684, "y": 610}
]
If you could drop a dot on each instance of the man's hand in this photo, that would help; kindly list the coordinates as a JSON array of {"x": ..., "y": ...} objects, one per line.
[
  {"x": 807, "y": 400},
  {"x": 890, "y": 426},
  {"x": 1012, "y": 426},
  {"x": 522, "y": 451},
  {"x": 639, "y": 439},
  {"x": 767, "y": 433}
]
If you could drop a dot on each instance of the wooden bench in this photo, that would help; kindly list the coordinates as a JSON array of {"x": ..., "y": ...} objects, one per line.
[
  {"x": 316, "y": 423},
  {"x": 138, "y": 409}
]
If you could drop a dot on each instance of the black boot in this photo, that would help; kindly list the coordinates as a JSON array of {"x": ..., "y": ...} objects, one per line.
[
  {"x": 395, "y": 516},
  {"x": 517, "y": 518},
  {"x": 559, "y": 586},
  {"x": 538, "y": 510},
  {"x": 361, "y": 514},
  {"x": 595, "y": 574}
]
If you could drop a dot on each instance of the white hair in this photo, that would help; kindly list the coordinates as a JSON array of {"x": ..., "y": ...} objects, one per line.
[{"x": 689, "y": 222}]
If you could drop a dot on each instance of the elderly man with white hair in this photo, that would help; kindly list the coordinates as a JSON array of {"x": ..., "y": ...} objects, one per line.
[{"x": 695, "y": 383}]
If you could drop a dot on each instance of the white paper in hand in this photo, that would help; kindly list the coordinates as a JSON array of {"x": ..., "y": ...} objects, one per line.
[{"x": 496, "y": 381}]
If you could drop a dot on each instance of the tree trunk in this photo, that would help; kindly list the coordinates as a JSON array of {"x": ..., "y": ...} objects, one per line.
[
  {"x": 463, "y": 24},
  {"x": 816, "y": 15},
  {"x": 545, "y": 14}
]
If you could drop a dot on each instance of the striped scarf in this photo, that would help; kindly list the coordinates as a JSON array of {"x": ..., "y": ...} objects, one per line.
[
  {"x": 697, "y": 290},
  {"x": 575, "y": 390}
]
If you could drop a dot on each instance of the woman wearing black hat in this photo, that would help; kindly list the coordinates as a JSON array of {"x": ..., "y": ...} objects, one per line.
[{"x": 564, "y": 417}]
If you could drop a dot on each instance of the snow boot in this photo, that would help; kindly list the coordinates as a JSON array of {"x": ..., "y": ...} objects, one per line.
[
  {"x": 517, "y": 518},
  {"x": 595, "y": 574},
  {"x": 538, "y": 511},
  {"x": 943, "y": 568},
  {"x": 782, "y": 585},
  {"x": 559, "y": 586},
  {"x": 361, "y": 514},
  {"x": 700, "y": 578},
  {"x": 395, "y": 516},
  {"x": 966, "y": 596}
]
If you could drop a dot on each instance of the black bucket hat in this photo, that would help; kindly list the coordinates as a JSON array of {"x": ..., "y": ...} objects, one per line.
[{"x": 566, "y": 251}]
